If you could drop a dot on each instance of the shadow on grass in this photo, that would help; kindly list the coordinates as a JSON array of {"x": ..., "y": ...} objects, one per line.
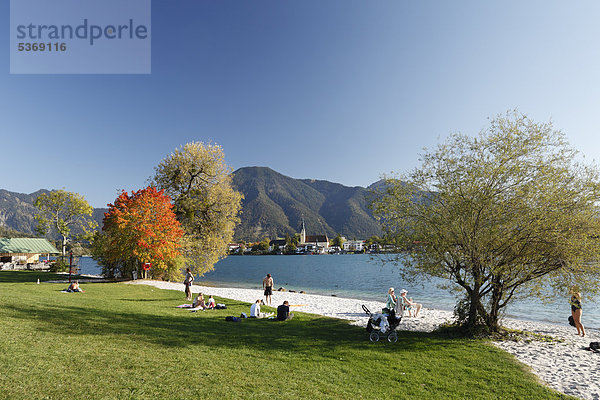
[
  {"x": 31, "y": 276},
  {"x": 299, "y": 335},
  {"x": 143, "y": 300}
]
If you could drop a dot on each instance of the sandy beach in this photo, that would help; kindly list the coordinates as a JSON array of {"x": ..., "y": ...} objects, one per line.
[{"x": 564, "y": 366}]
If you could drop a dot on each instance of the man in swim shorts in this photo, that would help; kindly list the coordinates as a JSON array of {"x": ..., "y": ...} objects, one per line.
[{"x": 268, "y": 286}]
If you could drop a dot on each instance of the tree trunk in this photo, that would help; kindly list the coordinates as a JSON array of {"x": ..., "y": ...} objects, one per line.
[
  {"x": 494, "y": 314},
  {"x": 474, "y": 301},
  {"x": 64, "y": 247}
]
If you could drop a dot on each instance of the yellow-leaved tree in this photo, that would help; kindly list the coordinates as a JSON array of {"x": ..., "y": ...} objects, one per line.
[{"x": 199, "y": 183}]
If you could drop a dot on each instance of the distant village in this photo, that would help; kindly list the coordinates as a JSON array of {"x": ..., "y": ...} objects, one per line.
[{"x": 309, "y": 244}]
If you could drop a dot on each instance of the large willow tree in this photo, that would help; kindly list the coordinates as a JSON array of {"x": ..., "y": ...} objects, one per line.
[
  {"x": 509, "y": 213},
  {"x": 199, "y": 183}
]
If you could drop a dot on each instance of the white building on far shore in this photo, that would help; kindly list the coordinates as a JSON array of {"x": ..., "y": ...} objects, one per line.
[{"x": 354, "y": 245}]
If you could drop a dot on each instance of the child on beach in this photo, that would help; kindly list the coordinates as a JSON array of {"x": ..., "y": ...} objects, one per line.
[{"x": 211, "y": 303}]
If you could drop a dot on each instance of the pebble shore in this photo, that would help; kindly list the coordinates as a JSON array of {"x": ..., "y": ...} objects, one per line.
[{"x": 562, "y": 364}]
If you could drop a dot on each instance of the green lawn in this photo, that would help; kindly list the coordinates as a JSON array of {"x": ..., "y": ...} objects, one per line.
[{"x": 118, "y": 341}]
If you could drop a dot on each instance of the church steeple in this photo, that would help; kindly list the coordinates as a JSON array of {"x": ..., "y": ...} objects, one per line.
[{"x": 303, "y": 233}]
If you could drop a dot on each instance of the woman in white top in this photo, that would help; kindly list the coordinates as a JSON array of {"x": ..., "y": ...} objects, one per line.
[{"x": 255, "y": 309}]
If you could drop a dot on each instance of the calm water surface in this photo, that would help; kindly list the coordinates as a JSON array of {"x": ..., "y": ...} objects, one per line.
[{"x": 359, "y": 276}]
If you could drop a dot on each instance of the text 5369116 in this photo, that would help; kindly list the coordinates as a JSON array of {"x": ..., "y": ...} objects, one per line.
[{"x": 49, "y": 46}]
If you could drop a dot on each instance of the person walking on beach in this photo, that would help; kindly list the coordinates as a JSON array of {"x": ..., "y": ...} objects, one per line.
[
  {"x": 268, "y": 286},
  {"x": 189, "y": 278},
  {"x": 576, "y": 310}
]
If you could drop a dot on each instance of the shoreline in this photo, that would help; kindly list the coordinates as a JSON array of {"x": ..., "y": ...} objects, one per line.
[
  {"x": 367, "y": 297},
  {"x": 563, "y": 366}
]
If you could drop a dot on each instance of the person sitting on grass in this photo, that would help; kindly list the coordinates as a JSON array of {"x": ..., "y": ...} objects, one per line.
[
  {"x": 211, "y": 303},
  {"x": 255, "y": 309},
  {"x": 283, "y": 312},
  {"x": 199, "y": 302}
]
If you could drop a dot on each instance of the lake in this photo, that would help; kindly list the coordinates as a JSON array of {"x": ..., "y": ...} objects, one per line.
[{"x": 359, "y": 276}]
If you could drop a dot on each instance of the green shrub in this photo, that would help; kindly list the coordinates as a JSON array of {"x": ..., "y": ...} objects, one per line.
[{"x": 59, "y": 266}]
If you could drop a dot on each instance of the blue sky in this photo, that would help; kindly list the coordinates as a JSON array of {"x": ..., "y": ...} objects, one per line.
[{"x": 337, "y": 90}]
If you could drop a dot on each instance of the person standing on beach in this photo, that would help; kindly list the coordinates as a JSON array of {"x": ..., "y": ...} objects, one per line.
[
  {"x": 189, "y": 278},
  {"x": 576, "y": 310},
  {"x": 268, "y": 286}
]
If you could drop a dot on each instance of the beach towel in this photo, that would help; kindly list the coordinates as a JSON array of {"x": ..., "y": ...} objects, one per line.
[{"x": 185, "y": 306}]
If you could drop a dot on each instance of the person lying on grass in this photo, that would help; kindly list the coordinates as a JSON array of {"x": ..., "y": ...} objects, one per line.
[{"x": 74, "y": 287}]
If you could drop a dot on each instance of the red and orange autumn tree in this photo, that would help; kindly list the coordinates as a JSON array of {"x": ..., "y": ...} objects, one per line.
[{"x": 140, "y": 228}]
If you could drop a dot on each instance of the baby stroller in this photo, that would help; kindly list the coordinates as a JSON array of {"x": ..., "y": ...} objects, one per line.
[{"x": 382, "y": 325}]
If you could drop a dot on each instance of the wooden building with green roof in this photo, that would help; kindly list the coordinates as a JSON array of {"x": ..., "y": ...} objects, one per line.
[{"x": 24, "y": 250}]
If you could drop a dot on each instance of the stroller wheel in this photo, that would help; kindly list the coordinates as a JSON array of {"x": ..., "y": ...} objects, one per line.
[
  {"x": 392, "y": 337},
  {"x": 374, "y": 337}
]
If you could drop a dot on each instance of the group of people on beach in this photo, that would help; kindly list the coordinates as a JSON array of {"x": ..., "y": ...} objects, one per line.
[
  {"x": 200, "y": 303},
  {"x": 283, "y": 310},
  {"x": 399, "y": 305}
]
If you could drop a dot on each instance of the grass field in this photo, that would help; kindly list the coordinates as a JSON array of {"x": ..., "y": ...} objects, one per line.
[{"x": 118, "y": 341}]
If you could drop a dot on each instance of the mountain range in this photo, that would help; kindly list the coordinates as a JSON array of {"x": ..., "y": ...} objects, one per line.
[
  {"x": 274, "y": 205},
  {"x": 17, "y": 211}
]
